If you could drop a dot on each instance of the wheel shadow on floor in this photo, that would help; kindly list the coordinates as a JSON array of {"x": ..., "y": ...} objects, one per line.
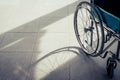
[{"x": 79, "y": 67}]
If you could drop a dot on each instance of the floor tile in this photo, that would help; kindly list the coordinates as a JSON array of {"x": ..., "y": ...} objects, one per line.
[
  {"x": 1, "y": 38},
  {"x": 51, "y": 41},
  {"x": 31, "y": 26},
  {"x": 18, "y": 42},
  {"x": 55, "y": 25},
  {"x": 53, "y": 66},
  {"x": 14, "y": 66}
]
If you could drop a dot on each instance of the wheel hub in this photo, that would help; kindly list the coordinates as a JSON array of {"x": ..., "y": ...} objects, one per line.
[{"x": 88, "y": 29}]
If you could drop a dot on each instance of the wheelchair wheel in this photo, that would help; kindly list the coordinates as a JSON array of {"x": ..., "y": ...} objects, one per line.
[{"x": 88, "y": 29}]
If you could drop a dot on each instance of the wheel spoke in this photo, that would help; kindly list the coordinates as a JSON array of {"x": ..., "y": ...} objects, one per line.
[{"x": 81, "y": 19}]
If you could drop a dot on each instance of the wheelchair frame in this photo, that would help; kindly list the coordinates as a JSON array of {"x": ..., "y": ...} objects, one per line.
[{"x": 98, "y": 18}]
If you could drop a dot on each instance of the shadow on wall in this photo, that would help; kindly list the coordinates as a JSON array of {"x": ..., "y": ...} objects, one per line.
[{"x": 17, "y": 45}]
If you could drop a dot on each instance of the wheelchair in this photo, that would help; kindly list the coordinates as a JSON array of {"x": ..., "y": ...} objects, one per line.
[{"x": 94, "y": 26}]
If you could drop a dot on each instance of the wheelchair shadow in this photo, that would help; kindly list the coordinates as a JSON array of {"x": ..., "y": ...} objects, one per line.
[
  {"x": 80, "y": 67},
  {"x": 16, "y": 45}
]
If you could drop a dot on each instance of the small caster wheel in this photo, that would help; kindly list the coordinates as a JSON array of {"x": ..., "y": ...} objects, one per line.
[
  {"x": 111, "y": 65},
  {"x": 110, "y": 70},
  {"x": 111, "y": 60}
]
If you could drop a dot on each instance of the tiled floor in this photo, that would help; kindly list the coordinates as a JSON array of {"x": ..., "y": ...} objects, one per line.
[{"x": 37, "y": 42}]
